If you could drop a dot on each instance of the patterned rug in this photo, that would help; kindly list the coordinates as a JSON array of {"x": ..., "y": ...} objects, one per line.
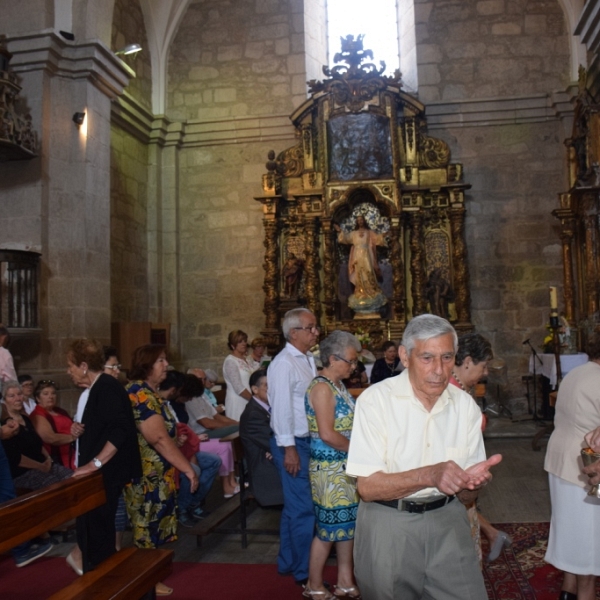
[{"x": 520, "y": 572}]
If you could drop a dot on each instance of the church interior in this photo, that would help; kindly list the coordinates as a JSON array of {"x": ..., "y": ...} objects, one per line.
[
  {"x": 212, "y": 180},
  {"x": 215, "y": 155}
]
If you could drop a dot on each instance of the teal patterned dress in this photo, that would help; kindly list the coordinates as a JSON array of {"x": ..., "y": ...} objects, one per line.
[{"x": 333, "y": 492}]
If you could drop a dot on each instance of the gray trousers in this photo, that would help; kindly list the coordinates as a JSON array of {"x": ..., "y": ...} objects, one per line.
[{"x": 404, "y": 556}]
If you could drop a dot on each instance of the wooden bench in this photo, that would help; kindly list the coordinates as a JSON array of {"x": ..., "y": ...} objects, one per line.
[
  {"x": 128, "y": 574},
  {"x": 239, "y": 502}
]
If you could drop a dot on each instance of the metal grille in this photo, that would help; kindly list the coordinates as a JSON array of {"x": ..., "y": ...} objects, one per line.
[{"x": 19, "y": 288}]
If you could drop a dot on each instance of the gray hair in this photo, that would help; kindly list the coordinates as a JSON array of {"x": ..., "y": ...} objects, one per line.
[
  {"x": 337, "y": 342},
  {"x": 211, "y": 375},
  {"x": 9, "y": 385},
  {"x": 293, "y": 318},
  {"x": 426, "y": 327}
]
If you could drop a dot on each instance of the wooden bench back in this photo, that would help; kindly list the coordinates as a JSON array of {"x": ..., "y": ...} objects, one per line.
[{"x": 34, "y": 513}]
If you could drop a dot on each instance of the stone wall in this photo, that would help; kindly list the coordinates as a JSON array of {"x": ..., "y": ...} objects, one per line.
[
  {"x": 129, "y": 299},
  {"x": 236, "y": 72},
  {"x": 517, "y": 57},
  {"x": 490, "y": 48},
  {"x": 237, "y": 58},
  {"x": 128, "y": 28}
]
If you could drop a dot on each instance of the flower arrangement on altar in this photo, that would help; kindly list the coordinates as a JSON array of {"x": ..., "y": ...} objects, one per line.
[
  {"x": 365, "y": 355},
  {"x": 363, "y": 337}
]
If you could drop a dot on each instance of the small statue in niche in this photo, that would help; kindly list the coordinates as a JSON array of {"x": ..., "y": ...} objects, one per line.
[
  {"x": 292, "y": 273},
  {"x": 439, "y": 293},
  {"x": 363, "y": 269}
]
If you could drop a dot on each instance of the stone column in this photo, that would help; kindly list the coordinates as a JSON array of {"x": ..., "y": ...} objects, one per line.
[{"x": 60, "y": 201}]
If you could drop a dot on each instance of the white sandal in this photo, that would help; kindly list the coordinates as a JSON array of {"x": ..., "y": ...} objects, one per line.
[
  {"x": 318, "y": 594},
  {"x": 347, "y": 592}
]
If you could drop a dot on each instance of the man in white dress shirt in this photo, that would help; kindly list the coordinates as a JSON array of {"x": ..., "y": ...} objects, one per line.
[
  {"x": 416, "y": 443},
  {"x": 288, "y": 377}
]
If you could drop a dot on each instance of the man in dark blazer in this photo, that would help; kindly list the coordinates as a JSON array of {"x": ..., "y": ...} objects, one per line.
[{"x": 255, "y": 433}]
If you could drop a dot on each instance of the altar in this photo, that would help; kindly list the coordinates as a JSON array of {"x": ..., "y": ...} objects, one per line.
[
  {"x": 547, "y": 366},
  {"x": 364, "y": 217}
]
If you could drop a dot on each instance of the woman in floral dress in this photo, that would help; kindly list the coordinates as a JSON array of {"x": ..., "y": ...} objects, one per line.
[
  {"x": 151, "y": 500},
  {"x": 330, "y": 412}
]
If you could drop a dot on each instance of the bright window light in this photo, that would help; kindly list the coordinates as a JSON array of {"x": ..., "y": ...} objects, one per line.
[{"x": 376, "y": 19}]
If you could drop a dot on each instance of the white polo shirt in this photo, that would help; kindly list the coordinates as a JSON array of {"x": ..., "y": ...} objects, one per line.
[{"x": 393, "y": 432}]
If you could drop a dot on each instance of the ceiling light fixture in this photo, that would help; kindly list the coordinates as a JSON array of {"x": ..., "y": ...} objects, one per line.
[{"x": 129, "y": 49}]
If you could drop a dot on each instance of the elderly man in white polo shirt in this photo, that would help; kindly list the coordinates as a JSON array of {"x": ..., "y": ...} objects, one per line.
[
  {"x": 416, "y": 444},
  {"x": 288, "y": 377}
]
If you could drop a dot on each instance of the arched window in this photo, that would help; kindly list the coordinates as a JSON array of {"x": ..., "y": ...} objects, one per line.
[{"x": 376, "y": 19}]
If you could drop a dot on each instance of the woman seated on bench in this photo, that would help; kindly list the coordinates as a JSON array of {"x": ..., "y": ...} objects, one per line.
[
  {"x": 31, "y": 466},
  {"x": 204, "y": 419},
  {"x": 53, "y": 424}
]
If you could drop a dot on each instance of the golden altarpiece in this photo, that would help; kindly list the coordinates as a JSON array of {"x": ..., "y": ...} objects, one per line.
[
  {"x": 579, "y": 215},
  {"x": 364, "y": 216}
]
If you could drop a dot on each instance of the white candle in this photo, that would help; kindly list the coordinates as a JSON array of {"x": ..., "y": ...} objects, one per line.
[{"x": 553, "y": 299}]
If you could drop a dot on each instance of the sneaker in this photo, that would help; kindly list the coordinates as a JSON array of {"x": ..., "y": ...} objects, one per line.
[
  {"x": 199, "y": 513},
  {"x": 35, "y": 551},
  {"x": 185, "y": 520}
]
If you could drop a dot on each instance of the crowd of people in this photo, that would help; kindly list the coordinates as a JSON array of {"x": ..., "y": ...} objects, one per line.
[
  {"x": 375, "y": 477},
  {"x": 155, "y": 438}
]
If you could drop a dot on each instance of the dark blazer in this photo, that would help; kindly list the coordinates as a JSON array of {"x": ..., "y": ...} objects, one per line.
[
  {"x": 108, "y": 417},
  {"x": 382, "y": 371},
  {"x": 255, "y": 433}
]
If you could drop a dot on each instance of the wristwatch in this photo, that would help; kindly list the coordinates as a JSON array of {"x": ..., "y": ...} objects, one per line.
[{"x": 97, "y": 463}]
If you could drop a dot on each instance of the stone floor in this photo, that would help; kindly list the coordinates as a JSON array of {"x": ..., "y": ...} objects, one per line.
[{"x": 518, "y": 493}]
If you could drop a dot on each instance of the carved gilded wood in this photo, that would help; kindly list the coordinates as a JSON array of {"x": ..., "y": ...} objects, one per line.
[
  {"x": 579, "y": 216},
  {"x": 364, "y": 162}
]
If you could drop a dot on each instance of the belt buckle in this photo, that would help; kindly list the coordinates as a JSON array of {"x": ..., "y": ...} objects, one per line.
[{"x": 411, "y": 506}]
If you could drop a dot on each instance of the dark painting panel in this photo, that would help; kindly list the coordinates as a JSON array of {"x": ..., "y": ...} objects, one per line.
[{"x": 359, "y": 147}]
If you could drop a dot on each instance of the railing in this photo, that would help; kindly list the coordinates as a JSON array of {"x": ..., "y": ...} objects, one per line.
[{"x": 19, "y": 288}]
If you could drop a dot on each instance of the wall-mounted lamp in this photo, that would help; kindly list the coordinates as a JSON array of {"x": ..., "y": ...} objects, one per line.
[
  {"x": 79, "y": 118},
  {"x": 129, "y": 49}
]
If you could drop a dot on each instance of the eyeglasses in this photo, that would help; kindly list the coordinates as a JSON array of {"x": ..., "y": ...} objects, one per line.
[
  {"x": 353, "y": 363},
  {"x": 45, "y": 382},
  {"x": 309, "y": 328},
  {"x": 113, "y": 367}
]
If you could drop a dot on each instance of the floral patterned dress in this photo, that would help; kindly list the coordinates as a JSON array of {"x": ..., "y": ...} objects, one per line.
[
  {"x": 151, "y": 500},
  {"x": 333, "y": 492}
]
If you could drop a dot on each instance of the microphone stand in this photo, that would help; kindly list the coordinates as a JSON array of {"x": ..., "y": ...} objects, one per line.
[{"x": 534, "y": 356}]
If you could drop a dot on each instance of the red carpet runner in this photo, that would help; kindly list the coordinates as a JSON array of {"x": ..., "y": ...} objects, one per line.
[{"x": 519, "y": 574}]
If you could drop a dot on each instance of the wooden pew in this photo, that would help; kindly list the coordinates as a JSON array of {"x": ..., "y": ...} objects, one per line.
[
  {"x": 129, "y": 574},
  {"x": 239, "y": 502}
]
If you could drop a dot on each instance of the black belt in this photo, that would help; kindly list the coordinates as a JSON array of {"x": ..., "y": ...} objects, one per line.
[{"x": 414, "y": 506}]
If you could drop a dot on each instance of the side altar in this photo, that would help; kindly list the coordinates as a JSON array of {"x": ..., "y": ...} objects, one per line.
[{"x": 364, "y": 217}]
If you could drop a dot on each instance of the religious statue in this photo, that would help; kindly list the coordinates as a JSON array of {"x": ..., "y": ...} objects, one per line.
[
  {"x": 439, "y": 293},
  {"x": 363, "y": 269},
  {"x": 292, "y": 273}
]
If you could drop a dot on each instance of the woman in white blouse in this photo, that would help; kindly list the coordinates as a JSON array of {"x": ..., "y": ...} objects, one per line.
[{"x": 236, "y": 372}]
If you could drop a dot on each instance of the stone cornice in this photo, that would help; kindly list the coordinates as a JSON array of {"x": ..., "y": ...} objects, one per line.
[
  {"x": 91, "y": 60},
  {"x": 499, "y": 111},
  {"x": 131, "y": 116}
]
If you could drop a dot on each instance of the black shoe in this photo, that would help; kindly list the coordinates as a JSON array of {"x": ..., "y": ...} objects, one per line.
[{"x": 567, "y": 596}]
